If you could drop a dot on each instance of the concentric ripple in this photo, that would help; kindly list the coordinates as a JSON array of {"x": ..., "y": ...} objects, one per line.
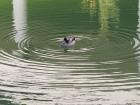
[
  {"x": 36, "y": 70},
  {"x": 87, "y": 54},
  {"x": 95, "y": 62}
]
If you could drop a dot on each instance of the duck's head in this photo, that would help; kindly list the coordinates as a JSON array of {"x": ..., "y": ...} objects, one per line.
[
  {"x": 73, "y": 39},
  {"x": 66, "y": 40}
]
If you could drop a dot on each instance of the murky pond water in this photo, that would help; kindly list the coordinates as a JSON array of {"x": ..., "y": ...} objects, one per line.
[{"x": 102, "y": 68}]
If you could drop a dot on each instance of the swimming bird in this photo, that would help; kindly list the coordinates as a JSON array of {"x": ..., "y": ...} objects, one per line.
[{"x": 68, "y": 42}]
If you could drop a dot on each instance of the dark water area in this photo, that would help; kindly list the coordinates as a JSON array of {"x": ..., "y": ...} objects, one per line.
[{"x": 103, "y": 68}]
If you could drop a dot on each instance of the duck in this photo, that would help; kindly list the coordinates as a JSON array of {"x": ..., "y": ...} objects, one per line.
[{"x": 68, "y": 42}]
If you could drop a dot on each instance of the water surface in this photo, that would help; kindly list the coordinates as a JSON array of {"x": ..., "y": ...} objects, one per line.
[{"x": 102, "y": 68}]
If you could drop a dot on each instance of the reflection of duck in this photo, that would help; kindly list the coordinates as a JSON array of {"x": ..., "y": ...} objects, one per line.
[{"x": 68, "y": 42}]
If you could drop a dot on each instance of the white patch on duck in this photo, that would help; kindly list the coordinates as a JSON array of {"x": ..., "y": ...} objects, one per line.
[{"x": 68, "y": 42}]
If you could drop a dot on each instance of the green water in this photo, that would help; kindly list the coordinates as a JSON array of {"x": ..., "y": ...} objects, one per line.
[{"x": 102, "y": 68}]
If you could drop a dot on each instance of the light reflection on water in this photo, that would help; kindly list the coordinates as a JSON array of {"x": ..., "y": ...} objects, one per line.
[
  {"x": 102, "y": 68},
  {"x": 19, "y": 19},
  {"x": 137, "y": 41}
]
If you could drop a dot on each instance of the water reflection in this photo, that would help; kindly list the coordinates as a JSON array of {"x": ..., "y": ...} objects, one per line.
[
  {"x": 20, "y": 19},
  {"x": 108, "y": 14},
  {"x": 137, "y": 42},
  {"x": 89, "y": 73},
  {"x": 20, "y": 28},
  {"x": 91, "y": 6}
]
